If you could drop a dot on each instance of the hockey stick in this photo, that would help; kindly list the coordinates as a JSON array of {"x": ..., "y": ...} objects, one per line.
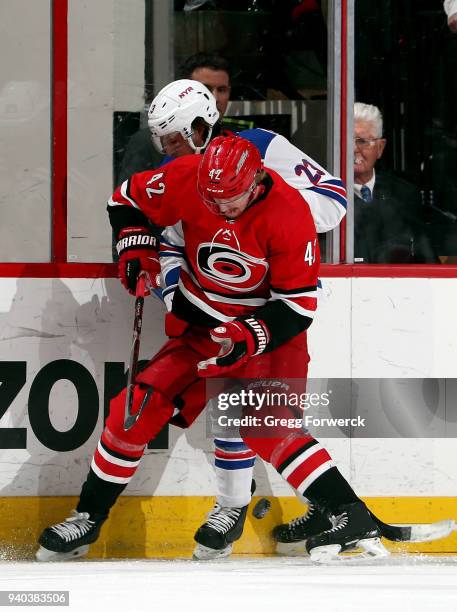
[
  {"x": 416, "y": 532},
  {"x": 129, "y": 418}
]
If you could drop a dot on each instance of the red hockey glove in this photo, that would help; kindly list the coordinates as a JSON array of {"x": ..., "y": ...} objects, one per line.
[
  {"x": 240, "y": 340},
  {"x": 137, "y": 249},
  {"x": 174, "y": 327}
]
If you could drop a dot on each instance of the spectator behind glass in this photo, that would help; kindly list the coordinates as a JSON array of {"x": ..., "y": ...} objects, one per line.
[
  {"x": 214, "y": 72},
  {"x": 388, "y": 216},
  {"x": 450, "y": 6}
]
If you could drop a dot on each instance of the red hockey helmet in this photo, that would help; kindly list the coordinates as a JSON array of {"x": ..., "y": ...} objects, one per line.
[{"x": 228, "y": 169}]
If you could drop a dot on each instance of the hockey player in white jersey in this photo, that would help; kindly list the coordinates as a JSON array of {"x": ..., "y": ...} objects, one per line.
[{"x": 183, "y": 123}]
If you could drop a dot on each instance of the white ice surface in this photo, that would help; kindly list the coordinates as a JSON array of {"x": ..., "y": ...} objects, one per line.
[{"x": 407, "y": 583}]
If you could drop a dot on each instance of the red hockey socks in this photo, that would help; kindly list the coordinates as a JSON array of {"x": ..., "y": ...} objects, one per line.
[
  {"x": 112, "y": 468},
  {"x": 307, "y": 467}
]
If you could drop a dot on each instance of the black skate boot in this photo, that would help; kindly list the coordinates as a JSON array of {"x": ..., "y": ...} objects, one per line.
[
  {"x": 222, "y": 527},
  {"x": 71, "y": 538},
  {"x": 353, "y": 527},
  {"x": 291, "y": 537},
  {"x": 216, "y": 536}
]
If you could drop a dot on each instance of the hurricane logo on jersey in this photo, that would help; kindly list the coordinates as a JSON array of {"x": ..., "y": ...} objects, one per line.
[{"x": 230, "y": 268}]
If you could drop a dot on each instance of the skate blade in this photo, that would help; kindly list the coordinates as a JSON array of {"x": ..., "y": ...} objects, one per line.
[
  {"x": 43, "y": 554},
  {"x": 203, "y": 553},
  {"x": 372, "y": 548},
  {"x": 325, "y": 554},
  {"x": 432, "y": 531},
  {"x": 292, "y": 549}
]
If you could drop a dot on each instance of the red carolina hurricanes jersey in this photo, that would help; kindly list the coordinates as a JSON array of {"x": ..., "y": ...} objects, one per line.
[{"x": 232, "y": 267}]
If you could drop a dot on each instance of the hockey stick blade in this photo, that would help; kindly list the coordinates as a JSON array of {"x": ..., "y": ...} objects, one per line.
[
  {"x": 417, "y": 532},
  {"x": 432, "y": 531},
  {"x": 129, "y": 418}
]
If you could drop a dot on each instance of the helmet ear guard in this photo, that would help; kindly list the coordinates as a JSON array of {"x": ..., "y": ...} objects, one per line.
[
  {"x": 177, "y": 107},
  {"x": 228, "y": 169}
]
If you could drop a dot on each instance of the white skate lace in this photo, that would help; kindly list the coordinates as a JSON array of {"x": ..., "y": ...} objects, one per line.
[
  {"x": 222, "y": 519},
  {"x": 74, "y": 527},
  {"x": 297, "y": 522}
]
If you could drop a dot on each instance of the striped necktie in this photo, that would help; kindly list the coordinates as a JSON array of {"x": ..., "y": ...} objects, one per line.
[{"x": 366, "y": 194}]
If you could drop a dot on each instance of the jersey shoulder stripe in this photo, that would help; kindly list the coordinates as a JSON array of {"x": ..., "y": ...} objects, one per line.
[
  {"x": 260, "y": 138},
  {"x": 330, "y": 192}
]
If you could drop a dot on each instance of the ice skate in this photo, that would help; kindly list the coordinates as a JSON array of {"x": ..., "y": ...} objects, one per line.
[
  {"x": 216, "y": 536},
  {"x": 353, "y": 528},
  {"x": 71, "y": 538},
  {"x": 223, "y": 526},
  {"x": 291, "y": 537}
]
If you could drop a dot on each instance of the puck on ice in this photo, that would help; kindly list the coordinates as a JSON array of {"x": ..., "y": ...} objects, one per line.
[{"x": 261, "y": 508}]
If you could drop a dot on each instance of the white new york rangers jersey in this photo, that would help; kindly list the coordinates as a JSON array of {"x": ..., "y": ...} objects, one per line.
[{"x": 323, "y": 193}]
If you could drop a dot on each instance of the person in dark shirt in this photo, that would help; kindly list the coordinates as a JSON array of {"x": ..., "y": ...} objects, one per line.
[{"x": 388, "y": 217}]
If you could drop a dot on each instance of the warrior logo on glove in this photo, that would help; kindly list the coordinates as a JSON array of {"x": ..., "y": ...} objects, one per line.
[{"x": 137, "y": 249}]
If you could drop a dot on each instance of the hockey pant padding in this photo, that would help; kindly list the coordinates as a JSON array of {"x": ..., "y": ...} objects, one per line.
[
  {"x": 168, "y": 384},
  {"x": 173, "y": 372},
  {"x": 157, "y": 409},
  {"x": 234, "y": 466}
]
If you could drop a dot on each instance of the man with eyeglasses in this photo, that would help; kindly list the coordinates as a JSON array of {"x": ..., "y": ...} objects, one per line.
[{"x": 387, "y": 211}]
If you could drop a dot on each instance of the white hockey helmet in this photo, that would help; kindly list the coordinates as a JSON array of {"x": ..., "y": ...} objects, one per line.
[{"x": 175, "y": 108}]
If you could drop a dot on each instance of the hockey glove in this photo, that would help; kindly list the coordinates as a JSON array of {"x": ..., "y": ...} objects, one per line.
[
  {"x": 240, "y": 340},
  {"x": 174, "y": 327},
  {"x": 137, "y": 249}
]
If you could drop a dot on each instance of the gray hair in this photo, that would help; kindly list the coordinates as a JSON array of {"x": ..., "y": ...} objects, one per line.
[{"x": 369, "y": 113}]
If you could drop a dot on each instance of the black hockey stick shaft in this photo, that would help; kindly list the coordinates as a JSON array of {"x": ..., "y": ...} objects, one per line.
[
  {"x": 131, "y": 418},
  {"x": 395, "y": 533}
]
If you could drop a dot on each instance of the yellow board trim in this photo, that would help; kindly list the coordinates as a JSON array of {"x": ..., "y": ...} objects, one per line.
[{"x": 163, "y": 527}]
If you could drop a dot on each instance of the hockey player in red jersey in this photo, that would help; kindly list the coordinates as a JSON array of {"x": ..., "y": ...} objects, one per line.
[
  {"x": 246, "y": 295},
  {"x": 181, "y": 118}
]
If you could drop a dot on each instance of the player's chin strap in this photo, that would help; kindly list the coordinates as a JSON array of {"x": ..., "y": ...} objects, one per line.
[{"x": 202, "y": 147}]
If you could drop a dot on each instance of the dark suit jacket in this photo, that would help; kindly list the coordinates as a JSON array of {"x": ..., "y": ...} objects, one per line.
[{"x": 391, "y": 228}]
